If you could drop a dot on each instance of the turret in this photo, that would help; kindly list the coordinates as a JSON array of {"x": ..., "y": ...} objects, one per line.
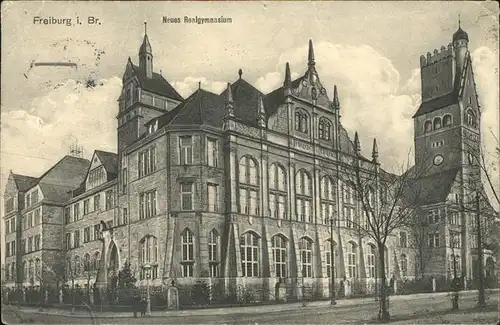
[
  {"x": 146, "y": 55},
  {"x": 310, "y": 56},
  {"x": 229, "y": 101},
  {"x": 375, "y": 151},
  {"x": 335, "y": 102},
  {"x": 357, "y": 146},
  {"x": 460, "y": 44},
  {"x": 262, "y": 113}
]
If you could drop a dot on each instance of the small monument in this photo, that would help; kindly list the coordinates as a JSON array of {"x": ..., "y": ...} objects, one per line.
[{"x": 172, "y": 297}]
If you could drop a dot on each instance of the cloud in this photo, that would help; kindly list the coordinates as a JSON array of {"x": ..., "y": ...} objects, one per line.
[
  {"x": 35, "y": 140},
  {"x": 189, "y": 85}
]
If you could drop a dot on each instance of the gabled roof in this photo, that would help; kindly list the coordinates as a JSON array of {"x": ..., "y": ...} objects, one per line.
[
  {"x": 157, "y": 84},
  {"x": 23, "y": 182},
  {"x": 109, "y": 160},
  {"x": 202, "y": 107},
  {"x": 245, "y": 101}
]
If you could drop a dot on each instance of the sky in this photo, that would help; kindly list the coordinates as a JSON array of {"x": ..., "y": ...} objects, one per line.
[{"x": 370, "y": 50}]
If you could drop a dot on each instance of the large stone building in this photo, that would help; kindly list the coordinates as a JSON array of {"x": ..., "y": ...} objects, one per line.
[{"x": 241, "y": 187}]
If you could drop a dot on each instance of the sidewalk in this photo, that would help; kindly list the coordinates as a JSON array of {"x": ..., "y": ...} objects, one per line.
[{"x": 241, "y": 309}]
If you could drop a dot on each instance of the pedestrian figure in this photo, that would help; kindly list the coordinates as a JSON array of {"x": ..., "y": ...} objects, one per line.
[
  {"x": 391, "y": 285},
  {"x": 135, "y": 304},
  {"x": 143, "y": 307}
]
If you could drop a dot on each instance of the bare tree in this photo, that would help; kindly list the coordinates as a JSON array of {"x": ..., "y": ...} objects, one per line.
[{"x": 386, "y": 200}]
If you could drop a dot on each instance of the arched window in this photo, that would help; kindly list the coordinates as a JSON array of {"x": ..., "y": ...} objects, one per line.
[
  {"x": 470, "y": 118},
  {"x": 370, "y": 261},
  {"x": 87, "y": 266},
  {"x": 305, "y": 248},
  {"x": 404, "y": 265},
  {"x": 327, "y": 197},
  {"x": 301, "y": 121},
  {"x": 349, "y": 204},
  {"x": 249, "y": 249},
  {"x": 351, "y": 260},
  {"x": 30, "y": 270},
  {"x": 279, "y": 256},
  {"x": 324, "y": 129},
  {"x": 248, "y": 186},
  {"x": 38, "y": 269},
  {"x": 187, "y": 261},
  {"x": 97, "y": 260},
  {"x": 213, "y": 253},
  {"x": 329, "y": 256},
  {"x": 277, "y": 191},
  {"x": 303, "y": 196},
  {"x": 447, "y": 120},
  {"x": 78, "y": 265},
  {"x": 436, "y": 123},
  {"x": 428, "y": 126}
]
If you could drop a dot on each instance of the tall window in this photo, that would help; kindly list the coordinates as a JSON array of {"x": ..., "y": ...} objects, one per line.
[
  {"x": 470, "y": 118},
  {"x": 248, "y": 186},
  {"x": 279, "y": 256},
  {"x": 351, "y": 260},
  {"x": 277, "y": 191},
  {"x": 349, "y": 204},
  {"x": 370, "y": 260},
  {"x": 86, "y": 234},
  {"x": 213, "y": 198},
  {"x": 327, "y": 196},
  {"x": 249, "y": 249},
  {"x": 186, "y": 150},
  {"x": 455, "y": 239},
  {"x": 403, "y": 240},
  {"x": 454, "y": 218},
  {"x": 38, "y": 269},
  {"x": 303, "y": 196},
  {"x": 329, "y": 257},
  {"x": 148, "y": 253},
  {"x": 433, "y": 240},
  {"x": 78, "y": 265},
  {"x": 213, "y": 256},
  {"x": 404, "y": 265},
  {"x": 30, "y": 269},
  {"x": 97, "y": 202},
  {"x": 67, "y": 241},
  {"x": 324, "y": 129},
  {"x": 97, "y": 260},
  {"x": 147, "y": 204},
  {"x": 87, "y": 266},
  {"x": 38, "y": 242},
  {"x": 433, "y": 216},
  {"x": 455, "y": 264},
  {"x": 86, "y": 206},
  {"x": 305, "y": 248},
  {"x": 147, "y": 161},
  {"x": 109, "y": 200},
  {"x": 212, "y": 152},
  {"x": 187, "y": 261},
  {"x": 37, "y": 217},
  {"x": 76, "y": 238},
  {"x": 436, "y": 123},
  {"x": 76, "y": 211},
  {"x": 187, "y": 196},
  {"x": 301, "y": 121},
  {"x": 124, "y": 180}
]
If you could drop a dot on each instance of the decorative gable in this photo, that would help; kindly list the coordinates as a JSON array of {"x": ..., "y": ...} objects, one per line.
[{"x": 97, "y": 174}]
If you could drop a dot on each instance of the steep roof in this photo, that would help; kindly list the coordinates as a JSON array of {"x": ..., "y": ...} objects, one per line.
[
  {"x": 109, "y": 160},
  {"x": 157, "y": 84},
  {"x": 202, "y": 107},
  {"x": 245, "y": 101},
  {"x": 432, "y": 188},
  {"x": 437, "y": 103},
  {"x": 24, "y": 182}
]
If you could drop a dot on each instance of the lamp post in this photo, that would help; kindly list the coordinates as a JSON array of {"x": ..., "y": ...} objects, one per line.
[
  {"x": 332, "y": 267},
  {"x": 146, "y": 267}
]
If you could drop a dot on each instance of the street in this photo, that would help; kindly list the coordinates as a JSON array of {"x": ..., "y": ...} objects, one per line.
[{"x": 434, "y": 310}]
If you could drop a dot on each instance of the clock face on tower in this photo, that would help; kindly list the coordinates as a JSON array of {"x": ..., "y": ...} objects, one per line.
[{"x": 438, "y": 160}]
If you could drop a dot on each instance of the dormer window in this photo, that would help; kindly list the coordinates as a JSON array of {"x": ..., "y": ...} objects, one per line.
[{"x": 97, "y": 176}]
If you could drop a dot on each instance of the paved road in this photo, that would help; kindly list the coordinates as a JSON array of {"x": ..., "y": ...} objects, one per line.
[{"x": 433, "y": 310}]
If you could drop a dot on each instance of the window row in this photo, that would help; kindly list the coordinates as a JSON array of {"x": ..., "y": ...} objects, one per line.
[
  {"x": 302, "y": 125},
  {"x": 34, "y": 243},
  {"x": 438, "y": 122},
  {"x": 76, "y": 238},
  {"x": 76, "y": 267},
  {"x": 97, "y": 176},
  {"x": 79, "y": 209},
  {"x": 10, "y": 225},
  {"x": 31, "y": 219},
  {"x": 31, "y": 198}
]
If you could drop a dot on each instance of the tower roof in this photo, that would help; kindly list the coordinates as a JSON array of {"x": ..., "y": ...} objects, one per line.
[
  {"x": 460, "y": 34},
  {"x": 145, "y": 46}
]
